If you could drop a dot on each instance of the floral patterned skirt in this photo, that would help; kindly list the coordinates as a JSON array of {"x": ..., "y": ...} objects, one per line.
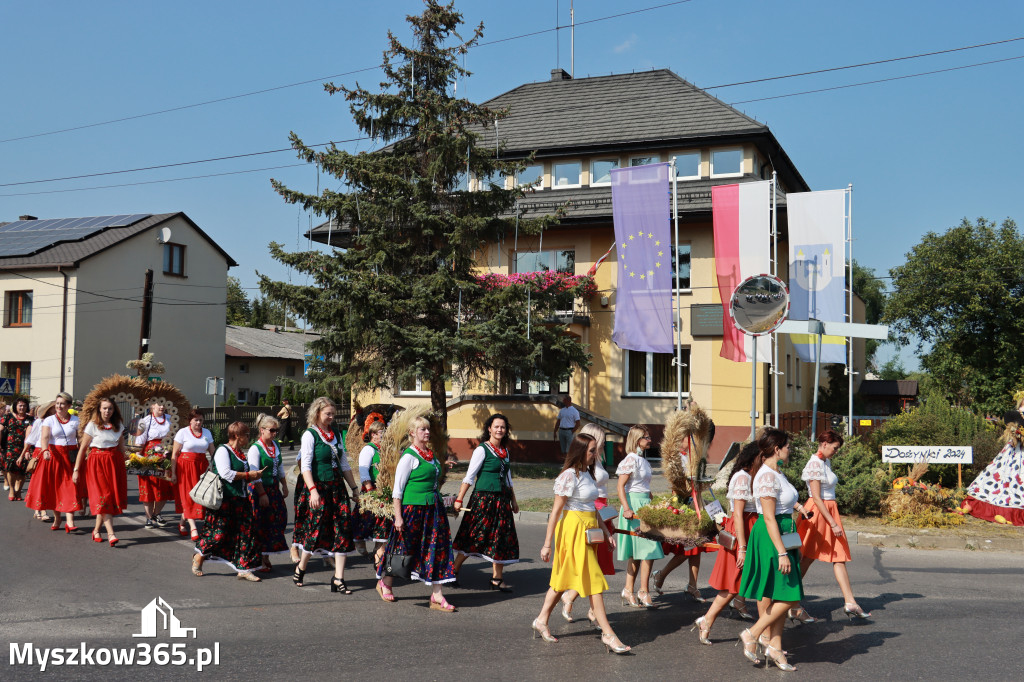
[
  {"x": 382, "y": 528},
  {"x": 190, "y": 468},
  {"x": 328, "y": 529},
  {"x": 106, "y": 480},
  {"x": 229, "y": 534},
  {"x": 270, "y": 522},
  {"x": 363, "y": 525},
  {"x": 488, "y": 529},
  {"x": 51, "y": 486},
  {"x": 427, "y": 539}
]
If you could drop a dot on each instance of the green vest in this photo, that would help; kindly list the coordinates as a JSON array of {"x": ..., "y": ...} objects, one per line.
[
  {"x": 324, "y": 456},
  {"x": 422, "y": 485},
  {"x": 493, "y": 473},
  {"x": 268, "y": 464},
  {"x": 235, "y": 488},
  {"x": 374, "y": 465}
]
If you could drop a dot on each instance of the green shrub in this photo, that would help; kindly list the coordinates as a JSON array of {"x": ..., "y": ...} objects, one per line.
[{"x": 862, "y": 479}]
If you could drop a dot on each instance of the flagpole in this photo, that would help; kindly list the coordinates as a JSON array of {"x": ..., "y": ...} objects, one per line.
[
  {"x": 849, "y": 307},
  {"x": 775, "y": 271},
  {"x": 678, "y": 321}
]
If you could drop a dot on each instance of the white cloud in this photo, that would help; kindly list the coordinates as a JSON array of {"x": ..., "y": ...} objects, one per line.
[{"x": 626, "y": 45}]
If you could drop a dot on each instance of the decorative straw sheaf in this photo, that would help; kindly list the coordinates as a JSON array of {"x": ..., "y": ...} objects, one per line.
[
  {"x": 139, "y": 393},
  {"x": 686, "y": 431},
  {"x": 396, "y": 440}
]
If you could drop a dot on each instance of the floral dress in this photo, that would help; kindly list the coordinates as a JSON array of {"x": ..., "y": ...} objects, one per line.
[{"x": 14, "y": 441}]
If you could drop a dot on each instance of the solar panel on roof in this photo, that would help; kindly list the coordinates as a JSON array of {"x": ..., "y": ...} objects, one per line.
[{"x": 28, "y": 237}]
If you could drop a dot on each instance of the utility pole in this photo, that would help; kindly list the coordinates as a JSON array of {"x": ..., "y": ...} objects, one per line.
[{"x": 147, "y": 314}]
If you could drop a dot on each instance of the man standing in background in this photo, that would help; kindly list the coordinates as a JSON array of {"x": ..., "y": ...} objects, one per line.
[
  {"x": 285, "y": 416},
  {"x": 567, "y": 421}
]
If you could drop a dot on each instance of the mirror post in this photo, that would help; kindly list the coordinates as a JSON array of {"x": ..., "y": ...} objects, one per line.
[
  {"x": 816, "y": 328},
  {"x": 679, "y": 312},
  {"x": 753, "y": 391}
]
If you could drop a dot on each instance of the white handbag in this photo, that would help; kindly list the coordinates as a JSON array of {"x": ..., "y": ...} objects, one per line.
[{"x": 208, "y": 491}]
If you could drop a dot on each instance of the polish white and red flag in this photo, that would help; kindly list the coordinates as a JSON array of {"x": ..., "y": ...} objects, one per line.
[{"x": 742, "y": 222}]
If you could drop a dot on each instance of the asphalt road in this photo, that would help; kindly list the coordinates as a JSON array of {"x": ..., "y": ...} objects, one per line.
[{"x": 937, "y": 615}]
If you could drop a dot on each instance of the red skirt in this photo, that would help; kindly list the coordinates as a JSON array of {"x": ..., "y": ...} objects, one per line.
[
  {"x": 107, "y": 481},
  {"x": 605, "y": 556},
  {"x": 52, "y": 487},
  {"x": 154, "y": 488},
  {"x": 818, "y": 540},
  {"x": 725, "y": 576},
  {"x": 190, "y": 467}
]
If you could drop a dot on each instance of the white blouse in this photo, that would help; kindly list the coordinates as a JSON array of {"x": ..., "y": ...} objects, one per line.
[
  {"x": 305, "y": 457},
  {"x": 32, "y": 437},
  {"x": 580, "y": 489},
  {"x": 279, "y": 463},
  {"x": 639, "y": 471},
  {"x": 771, "y": 483},
  {"x": 152, "y": 429},
  {"x": 476, "y": 462},
  {"x": 189, "y": 442},
  {"x": 62, "y": 434},
  {"x": 365, "y": 461},
  {"x": 103, "y": 439},
  {"x": 601, "y": 479},
  {"x": 405, "y": 467},
  {"x": 818, "y": 469},
  {"x": 222, "y": 458},
  {"x": 740, "y": 491}
]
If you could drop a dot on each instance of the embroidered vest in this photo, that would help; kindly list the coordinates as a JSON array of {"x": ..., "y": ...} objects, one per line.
[
  {"x": 235, "y": 488},
  {"x": 268, "y": 464},
  {"x": 493, "y": 474},
  {"x": 325, "y": 456},
  {"x": 422, "y": 485}
]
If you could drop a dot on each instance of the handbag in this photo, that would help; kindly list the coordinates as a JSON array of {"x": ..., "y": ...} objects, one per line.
[
  {"x": 208, "y": 491},
  {"x": 727, "y": 540},
  {"x": 398, "y": 566},
  {"x": 31, "y": 464},
  {"x": 791, "y": 541},
  {"x": 595, "y": 536},
  {"x": 608, "y": 513}
]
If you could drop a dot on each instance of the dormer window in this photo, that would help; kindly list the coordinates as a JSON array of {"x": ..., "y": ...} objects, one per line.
[
  {"x": 531, "y": 175},
  {"x": 726, "y": 163},
  {"x": 601, "y": 171},
  {"x": 644, "y": 160},
  {"x": 687, "y": 165},
  {"x": 566, "y": 174}
]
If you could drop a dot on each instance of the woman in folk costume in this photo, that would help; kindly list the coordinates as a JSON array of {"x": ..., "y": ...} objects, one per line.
[
  {"x": 104, "y": 471},
  {"x": 689, "y": 433},
  {"x": 488, "y": 529},
  {"x": 229, "y": 533},
  {"x": 190, "y": 455},
  {"x": 270, "y": 491},
  {"x": 13, "y": 426},
  {"x": 365, "y": 442},
  {"x": 569, "y": 547},
  {"x": 997, "y": 493},
  {"x": 52, "y": 487},
  {"x": 32, "y": 451},
  {"x": 323, "y": 512},
  {"x": 154, "y": 491},
  {"x": 421, "y": 524},
  {"x": 634, "y": 475}
]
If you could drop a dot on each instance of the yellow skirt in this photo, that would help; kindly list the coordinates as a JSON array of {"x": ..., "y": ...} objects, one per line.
[{"x": 574, "y": 562}]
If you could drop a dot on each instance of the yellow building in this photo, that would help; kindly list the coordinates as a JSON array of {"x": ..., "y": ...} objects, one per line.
[{"x": 580, "y": 129}]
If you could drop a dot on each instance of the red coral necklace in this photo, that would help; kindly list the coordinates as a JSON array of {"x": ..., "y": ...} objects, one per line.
[{"x": 427, "y": 454}]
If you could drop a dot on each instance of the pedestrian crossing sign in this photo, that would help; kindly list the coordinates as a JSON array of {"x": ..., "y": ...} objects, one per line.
[{"x": 5, "y": 387}]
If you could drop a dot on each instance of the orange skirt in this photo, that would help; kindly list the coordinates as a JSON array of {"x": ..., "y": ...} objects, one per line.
[
  {"x": 725, "y": 576},
  {"x": 819, "y": 542}
]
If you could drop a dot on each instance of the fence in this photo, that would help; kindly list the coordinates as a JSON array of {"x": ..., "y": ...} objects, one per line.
[
  {"x": 795, "y": 422},
  {"x": 248, "y": 414}
]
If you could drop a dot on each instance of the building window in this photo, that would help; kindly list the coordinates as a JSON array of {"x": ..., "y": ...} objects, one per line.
[
  {"x": 644, "y": 160},
  {"x": 601, "y": 171},
  {"x": 462, "y": 182},
  {"x": 540, "y": 387},
  {"x": 420, "y": 386},
  {"x": 174, "y": 260},
  {"x": 688, "y": 165},
  {"x": 243, "y": 396},
  {"x": 243, "y": 368},
  {"x": 789, "y": 371},
  {"x": 531, "y": 175},
  {"x": 726, "y": 162},
  {"x": 18, "y": 309},
  {"x": 289, "y": 371},
  {"x": 653, "y": 373},
  {"x": 20, "y": 374},
  {"x": 496, "y": 178},
  {"x": 682, "y": 281},
  {"x": 556, "y": 260},
  {"x": 566, "y": 174},
  {"x": 796, "y": 370}
]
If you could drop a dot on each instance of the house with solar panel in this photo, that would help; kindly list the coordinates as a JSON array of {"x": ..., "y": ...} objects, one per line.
[
  {"x": 72, "y": 296},
  {"x": 579, "y": 130}
]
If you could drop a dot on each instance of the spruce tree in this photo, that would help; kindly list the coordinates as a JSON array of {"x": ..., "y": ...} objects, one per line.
[{"x": 404, "y": 298}]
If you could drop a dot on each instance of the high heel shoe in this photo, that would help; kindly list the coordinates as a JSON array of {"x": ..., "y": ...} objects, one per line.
[
  {"x": 96, "y": 537},
  {"x": 70, "y": 529},
  {"x": 695, "y": 594},
  {"x": 298, "y": 576},
  {"x": 182, "y": 531},
  {"x": 751, "y": 648},
  {"x": 741, "y": 610},
  {"x": 855, "y": 612},
  {"x": 338, "y": 585},
  {"x": 194, "y": 536},
  {"x": 607, "y": 640},
  {"x": 543, "y": 631},
  {"x": 798, "y": 614},
  {"x": 385, "y": 592},
  {"x": 496, "y": 584},
  {"x": 441, "y": 605},
  {"x": 781, "y": 665},
  {"x": 644, "y": 597},
  {"x": 250, "y": 576},
  {"x": 702, "y": 632},
  {"x": 56, "y": 524},
  {"x": 566, "y": 609},
  {"x": 113, "y": 540},
  {"x": 629, "y": 599},
  {"x": 197, "y": 565},
  {"x": 657, "y": 581}
]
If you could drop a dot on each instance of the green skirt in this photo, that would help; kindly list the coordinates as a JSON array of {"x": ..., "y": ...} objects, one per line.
[
  {"x": 761, "y": 577},
  {"x": 632, "y": 547}
]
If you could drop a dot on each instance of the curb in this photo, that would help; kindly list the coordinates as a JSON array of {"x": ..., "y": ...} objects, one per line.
[{"x": 928, "y": 541}]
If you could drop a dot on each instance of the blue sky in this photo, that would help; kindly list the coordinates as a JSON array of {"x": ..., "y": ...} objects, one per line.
[{"x": 922, "y": 153}]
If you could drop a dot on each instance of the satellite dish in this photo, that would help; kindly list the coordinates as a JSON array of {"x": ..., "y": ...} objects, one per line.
[
  {"x": 759, "y": 305},
  {"x": 164, "y": 236}
]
